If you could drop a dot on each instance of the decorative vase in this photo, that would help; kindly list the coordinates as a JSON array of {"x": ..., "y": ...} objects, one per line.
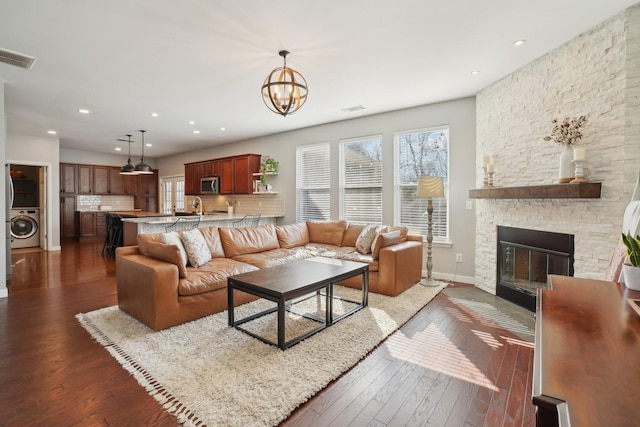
[
  {"x": 567, "y": 168},
  {"x": 631, "y": 276}
]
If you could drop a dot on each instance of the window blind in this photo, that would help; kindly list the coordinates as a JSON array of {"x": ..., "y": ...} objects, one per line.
[{"x": 313, "y": 182}]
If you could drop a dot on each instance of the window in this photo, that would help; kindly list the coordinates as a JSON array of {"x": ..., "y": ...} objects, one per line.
[
  {"x": 172, "y": 194},
  {"x": 423, "y": 152},
  {"x": 361, "y": 180},
  {"x": 313, "y": 182}
]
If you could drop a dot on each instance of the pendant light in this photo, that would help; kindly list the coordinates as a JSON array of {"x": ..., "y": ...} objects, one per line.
[
  {"x": 127, "y": 169},
  {"x": 284, "y": 90},
  {"x": 142, "y": 168}
]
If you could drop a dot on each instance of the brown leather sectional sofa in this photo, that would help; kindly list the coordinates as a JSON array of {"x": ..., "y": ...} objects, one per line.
[{"x": 158, "y": 290}]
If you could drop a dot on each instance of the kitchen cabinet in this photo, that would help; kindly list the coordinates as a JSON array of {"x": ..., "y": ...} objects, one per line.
[
  {"x": 92, "y": 224},
  {"x": 146, "y": 198},
  {"x": 129, "y": 185},
  {"x": 188, "y": 180},
  {"x": 68, "y": 178},
  {"x": 85, "y": 179},
  {"x": 236, "y": 174},
  {"x": 107, "y": 180},
  {"x": 68, "y": 227}
]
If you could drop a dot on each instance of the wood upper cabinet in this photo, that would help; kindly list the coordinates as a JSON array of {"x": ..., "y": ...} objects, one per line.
[
  {"x": 244, "y": 168},
  {"x": 116, "y": 181},
  {"x": 226, "y": 175},
  {"x": 85, "y": 179},
  {"x": 129, "y": 185},
  {"x": 146, "y": 197},
  {"x": 236, "y": 174},
  {"x": 188, "y": 179},
  {"x": 101, "y": 180},
  {"x": 68, "y": 178}
]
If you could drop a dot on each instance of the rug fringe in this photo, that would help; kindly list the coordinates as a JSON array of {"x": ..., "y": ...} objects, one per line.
[{"x": 169, "y": 402}]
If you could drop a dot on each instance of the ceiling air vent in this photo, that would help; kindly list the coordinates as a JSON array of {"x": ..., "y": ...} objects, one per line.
[
  {"x": 17, "y": 59},
  {"x": 352, "y": 109}
]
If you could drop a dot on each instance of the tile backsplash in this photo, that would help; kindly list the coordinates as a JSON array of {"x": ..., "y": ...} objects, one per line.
[{"x": 93, "y": 202}]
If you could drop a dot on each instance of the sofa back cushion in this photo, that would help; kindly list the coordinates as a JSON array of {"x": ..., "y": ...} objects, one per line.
[
  {"x": 248, "y": 240},
  {"x": 351, "y": 234},
  {"x": 212, "y": 237},
  {"x": 143, "y": 241},
  {"x": 395, "y": 234},
  {"x": 327, "y": 232},
  {"x": 292, "y": 235}
]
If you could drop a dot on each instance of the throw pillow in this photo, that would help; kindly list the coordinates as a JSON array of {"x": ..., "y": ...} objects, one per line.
[
  {"x": 173, "y": 238},
  {"x": 365, "y": 239},
  {"x": 196, "y": 247},
  {"x": 167, "y": 253}
]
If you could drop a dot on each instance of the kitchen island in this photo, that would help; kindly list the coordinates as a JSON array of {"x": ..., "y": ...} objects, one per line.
[{"x": 133, "y": 226}]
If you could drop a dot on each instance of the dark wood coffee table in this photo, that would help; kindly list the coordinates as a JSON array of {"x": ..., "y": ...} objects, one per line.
[{"x": 283, "y": 283}]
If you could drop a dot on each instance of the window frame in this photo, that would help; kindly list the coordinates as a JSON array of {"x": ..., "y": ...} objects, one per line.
[{"x": 325, "y": 209}]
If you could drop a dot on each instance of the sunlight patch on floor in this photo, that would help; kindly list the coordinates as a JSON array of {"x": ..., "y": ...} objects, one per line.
[
  {"x": 488, "y": 339},
  {"x": 489, "y": 315},
  {"x": 432, "y": 349}
]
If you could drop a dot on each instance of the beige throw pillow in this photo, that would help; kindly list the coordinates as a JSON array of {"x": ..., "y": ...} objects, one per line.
[
  {"x": 365, "y": 239},
  {"x": 196, "y": 247}
]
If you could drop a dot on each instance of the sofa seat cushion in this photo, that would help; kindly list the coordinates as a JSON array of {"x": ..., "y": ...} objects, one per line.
[
  {"x": 343, "y": 252},
  {"x": 276, "y": 257},
  {"x": 211, "y": 276},
  {"x": 248, "y": 240}
]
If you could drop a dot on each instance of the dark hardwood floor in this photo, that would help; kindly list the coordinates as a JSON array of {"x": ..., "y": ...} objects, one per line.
[{"x": 448, "y": 366}]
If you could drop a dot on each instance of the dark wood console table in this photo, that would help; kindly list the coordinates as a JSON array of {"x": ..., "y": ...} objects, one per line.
[{"x": 587, "y": 354}]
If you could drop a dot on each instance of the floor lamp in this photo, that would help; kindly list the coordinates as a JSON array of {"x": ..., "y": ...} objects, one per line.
[{"x": 428, "y": 188}]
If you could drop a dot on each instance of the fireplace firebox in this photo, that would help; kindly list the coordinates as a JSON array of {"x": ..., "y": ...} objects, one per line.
[{"x": 525, "y": 258}]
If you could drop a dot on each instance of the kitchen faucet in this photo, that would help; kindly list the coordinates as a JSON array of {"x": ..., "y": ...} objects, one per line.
[{"x": 197, "y": 203}]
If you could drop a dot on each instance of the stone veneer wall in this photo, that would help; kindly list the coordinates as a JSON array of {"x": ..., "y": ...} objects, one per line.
[{"x": 597, "y": 74}]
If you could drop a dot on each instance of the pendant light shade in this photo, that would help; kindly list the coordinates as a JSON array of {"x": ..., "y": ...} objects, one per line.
[
  {"x": 142, "y": 168},
  {"x": 128, "y": 169},
  {"x": 284, "y": 90}
]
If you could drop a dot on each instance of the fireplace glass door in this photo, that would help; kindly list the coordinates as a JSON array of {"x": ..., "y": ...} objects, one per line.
[{"x": 526, "y": 258}]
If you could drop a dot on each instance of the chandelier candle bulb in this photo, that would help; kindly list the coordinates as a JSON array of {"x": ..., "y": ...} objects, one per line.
[{"x": 579, "y": 154}]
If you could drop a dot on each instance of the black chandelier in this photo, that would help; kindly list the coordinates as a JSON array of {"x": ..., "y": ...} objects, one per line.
[
  {"x": 127, "y": 169},
  {"x": 142, "y": 168},
  {"x": 284, "y": 90}
]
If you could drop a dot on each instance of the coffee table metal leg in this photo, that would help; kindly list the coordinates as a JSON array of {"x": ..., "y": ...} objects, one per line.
[
  {"x": 365, "y": 288},
  {"x": 230, "y": 303},
  {"x": 281, "y": 312},
  {"x": 329, "y": 304}
]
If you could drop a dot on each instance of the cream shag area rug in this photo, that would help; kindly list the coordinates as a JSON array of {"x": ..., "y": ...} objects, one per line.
[{"x": 206, "y": 373}]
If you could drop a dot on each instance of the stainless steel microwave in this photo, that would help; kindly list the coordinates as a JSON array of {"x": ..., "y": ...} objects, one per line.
[{"x": 210, "y": 185}]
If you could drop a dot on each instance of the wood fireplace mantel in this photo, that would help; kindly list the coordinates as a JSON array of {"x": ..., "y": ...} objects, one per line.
[{"x": 583, "y": 190}]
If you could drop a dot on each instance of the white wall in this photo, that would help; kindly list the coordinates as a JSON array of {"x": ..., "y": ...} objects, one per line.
[
  {"x": 68, "y": 155},
  {"x": 595, "y": 74},
  {"x": 458, "y": 114}
]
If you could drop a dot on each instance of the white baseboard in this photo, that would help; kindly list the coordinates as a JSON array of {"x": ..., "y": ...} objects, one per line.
[{"x": 451, "y": 277}]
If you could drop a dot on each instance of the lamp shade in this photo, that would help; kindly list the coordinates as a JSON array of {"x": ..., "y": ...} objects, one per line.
[{"x": 430, "y": 186}]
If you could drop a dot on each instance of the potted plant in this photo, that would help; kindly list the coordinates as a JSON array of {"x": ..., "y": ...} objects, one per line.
[
  {"x": 268, "y": 166},
  {"x": 631, "y": 268}
]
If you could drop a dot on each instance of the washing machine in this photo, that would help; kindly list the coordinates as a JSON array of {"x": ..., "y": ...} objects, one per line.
[{"x": 25, "y": 227}]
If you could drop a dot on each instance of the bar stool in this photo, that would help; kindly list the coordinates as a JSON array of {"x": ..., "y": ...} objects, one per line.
[{"x": 113, "y": 236}]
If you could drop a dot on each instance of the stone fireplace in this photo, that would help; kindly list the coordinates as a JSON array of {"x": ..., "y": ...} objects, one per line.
[{"x": 524, "y": 260}]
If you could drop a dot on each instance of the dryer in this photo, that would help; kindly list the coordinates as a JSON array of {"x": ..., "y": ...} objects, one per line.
[{"x": 25, "y": 227}]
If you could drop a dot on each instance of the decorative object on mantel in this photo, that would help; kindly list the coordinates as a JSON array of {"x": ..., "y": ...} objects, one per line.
[
  {"x": 284, "y": 90},
  {"x": 488, "y": 169},
  {"x": 566, "y": 133},
  {"x": 579, "y": 159},
  {"x": 631, "y": 268},
  {"x": 428, "y": 188}
]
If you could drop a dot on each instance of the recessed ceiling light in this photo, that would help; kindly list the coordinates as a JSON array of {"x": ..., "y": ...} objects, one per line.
[
  {"x": 83, "y": 111},
  {"x": 196, "y": 131},
  {"x": 223, "y": 129},
  {"x": 148, "y": 145},
  {"x": 475, "y": 72},
  {"x": 191, "y": 122},
  {"x": 519, "y": 42},
  {"x": 118, "y": 149},
  {"x": 52, "y": 132},
  {"x": 154, "y": 114}
]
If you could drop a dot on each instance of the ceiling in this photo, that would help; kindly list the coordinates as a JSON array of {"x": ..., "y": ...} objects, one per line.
[{"x": 205, "y": 61}]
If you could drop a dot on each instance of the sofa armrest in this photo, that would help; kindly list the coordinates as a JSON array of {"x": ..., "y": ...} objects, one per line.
[
  {"x": 400, "y": 266},
  {"x": 147, "y": 288}
]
